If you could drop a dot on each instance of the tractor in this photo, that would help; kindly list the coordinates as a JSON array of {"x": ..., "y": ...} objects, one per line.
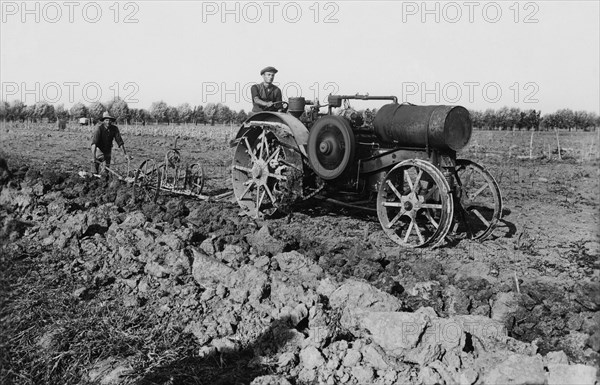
[{"x": 401, "y": 165}]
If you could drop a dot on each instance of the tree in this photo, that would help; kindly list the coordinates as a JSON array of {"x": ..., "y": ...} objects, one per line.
[
  {"x": 4, "y": 110},
  {"x": 185, "y": 112},
  {"x": 96, "y": 110},
  {"x": 134, "y": 115},
  {"x": 566, "y": 118},
  {"x": 490, "y": 119},
  {"x": 29, "y": 113},
  {"x": 110, "y": 103},
  {"x": 233, "y": 117},
  {"x": 241, "y": 117},
  {"x": 158, "y": 111},
  {"x": 210, "y": 110},
  {"x": 43, "y": 110},
  {"x": 143, "y": 115},
  {"x": 172, "y": 114},
  {"x": 550, "y": 121},
  {"x": 223, "y": 114},
  {"x": 17, "y": 110},
  {"x": 199, "y": 115},
  {"x": 50, "y": 113},
  {"x": 477, "y": 119},
  {"x": 513, "y": 117},
  {"x": 502, "y": 118},
  {"x": 584, "y": 120},
  {"x": 119, "y": 109},
  {"x": 530, "y": 119},
  {"x": 60, "y": 113},
  {"x": 79, "y": 110},
  {"x": 137, "y": 115}
]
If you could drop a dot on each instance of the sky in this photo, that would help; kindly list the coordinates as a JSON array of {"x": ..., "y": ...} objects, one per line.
[{"x": 542, "y": 55}]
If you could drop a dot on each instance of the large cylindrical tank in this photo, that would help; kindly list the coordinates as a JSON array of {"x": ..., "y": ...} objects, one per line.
[{"x": 441, "y": 127}]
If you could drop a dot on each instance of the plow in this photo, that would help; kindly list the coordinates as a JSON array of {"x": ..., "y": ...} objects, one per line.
[
  {"x": 402, "y": 166},
  {"x": 171, "y": 176},
  {"x": 153, "y": 179}
]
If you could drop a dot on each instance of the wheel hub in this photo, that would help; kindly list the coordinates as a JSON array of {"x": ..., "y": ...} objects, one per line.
[
  {"x": 260, "y": 171},
  {"x": 411, "y": 203},
  {"x": 256, "y": 170},
  {"x": 325, "y": 147}
]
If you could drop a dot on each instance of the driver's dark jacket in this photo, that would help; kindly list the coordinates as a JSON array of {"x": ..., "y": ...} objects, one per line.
[{"x": 266, "y": 94}]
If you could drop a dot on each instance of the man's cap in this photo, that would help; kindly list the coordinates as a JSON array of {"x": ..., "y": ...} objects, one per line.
[
  {"x": 106, "y": 115},
  {"x": 268, "y": 69}
]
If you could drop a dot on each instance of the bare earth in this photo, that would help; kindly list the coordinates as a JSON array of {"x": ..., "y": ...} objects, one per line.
[{"x": 537, "y": 276}]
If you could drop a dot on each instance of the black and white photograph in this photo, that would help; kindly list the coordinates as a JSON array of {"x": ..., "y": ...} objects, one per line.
[{"x": 300, "y": 192}]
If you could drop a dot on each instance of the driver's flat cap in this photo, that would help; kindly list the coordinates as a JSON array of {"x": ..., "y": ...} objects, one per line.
[{"x": 268, "y": 69}]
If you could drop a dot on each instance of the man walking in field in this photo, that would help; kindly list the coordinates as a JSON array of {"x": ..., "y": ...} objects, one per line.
[
  {"x": 265, "y": 94},
  {"x": 102, "y": 141}
]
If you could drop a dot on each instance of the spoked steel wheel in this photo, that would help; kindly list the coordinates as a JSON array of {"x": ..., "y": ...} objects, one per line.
[
  {"x": 146, "y": 184},
  {"x": 414, "y": 204},
  {"x": 480, "y": 201},
  {"x": 265, "y": 173}
]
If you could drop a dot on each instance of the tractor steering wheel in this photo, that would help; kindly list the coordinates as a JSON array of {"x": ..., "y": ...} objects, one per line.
[{"x": 284, "y": 106}]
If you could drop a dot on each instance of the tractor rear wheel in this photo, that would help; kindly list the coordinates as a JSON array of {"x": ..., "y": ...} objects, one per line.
[
  {"x": 479, "y": 200},
  {"x": 266, "y": 173}
]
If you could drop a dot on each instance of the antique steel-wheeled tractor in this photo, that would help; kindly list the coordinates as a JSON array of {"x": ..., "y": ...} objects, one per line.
[{"x": 403, "y": 166}]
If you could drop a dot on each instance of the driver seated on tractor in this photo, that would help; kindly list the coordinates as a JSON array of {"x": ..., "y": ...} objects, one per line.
[
  {"x": 102, "y": 142},
  {"x": 265, "y": 95}
]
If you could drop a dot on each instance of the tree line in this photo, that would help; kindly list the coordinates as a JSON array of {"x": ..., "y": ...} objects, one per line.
[
  {"x": 514, "y": 118},
  {"x": 160, "y": 112}
]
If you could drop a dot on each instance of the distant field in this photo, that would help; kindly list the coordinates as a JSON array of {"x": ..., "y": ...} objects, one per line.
[
  {"x": 504, "y": 153},
  {"x": 579, "y": 146},
  {"x": 189, "y": 130}
]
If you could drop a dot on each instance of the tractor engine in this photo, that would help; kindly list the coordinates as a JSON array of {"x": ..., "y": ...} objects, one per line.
[{"x": 339, "y": 146}]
